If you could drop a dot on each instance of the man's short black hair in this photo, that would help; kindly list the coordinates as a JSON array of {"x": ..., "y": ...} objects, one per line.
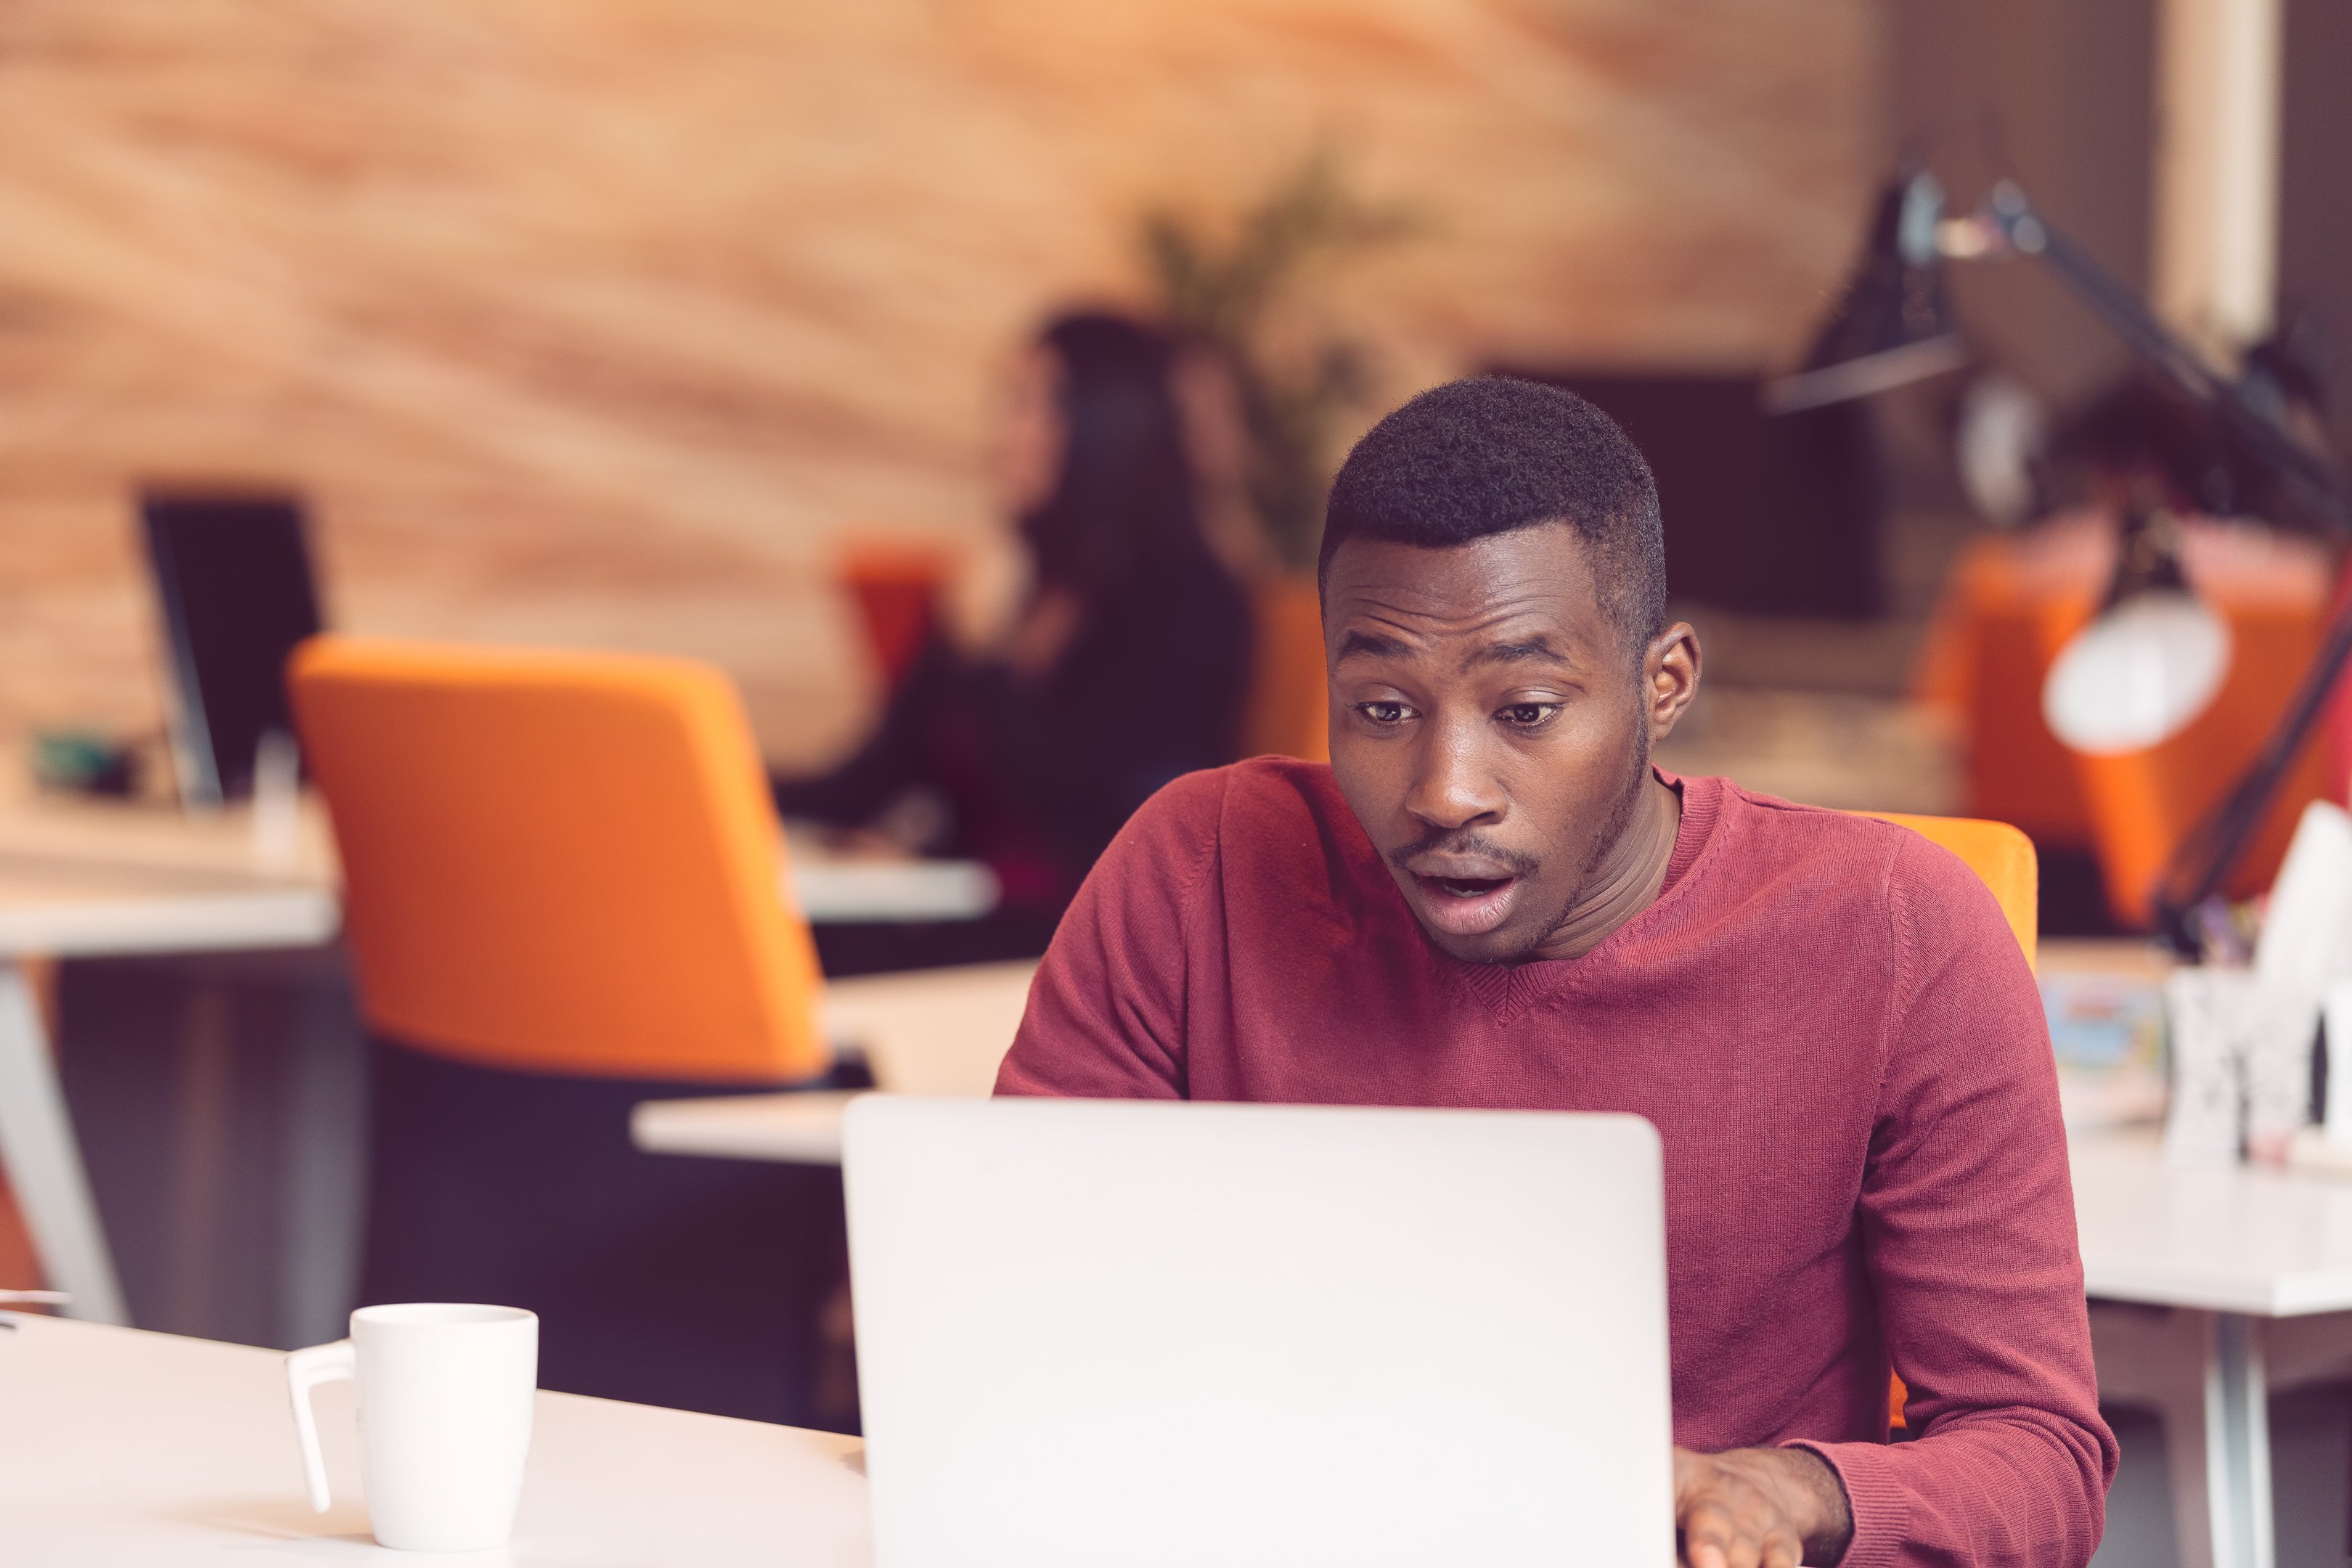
[{"x": 1494, "y": 454}]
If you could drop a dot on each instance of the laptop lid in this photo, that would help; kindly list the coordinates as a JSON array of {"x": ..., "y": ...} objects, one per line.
[
  {"x": 234, "y": 584},
  {"x": 1123, "y": 1333}
]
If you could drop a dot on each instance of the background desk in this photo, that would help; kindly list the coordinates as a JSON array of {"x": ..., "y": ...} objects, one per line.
[
  {"x": 58, "y": 905},
  {"x": 82, "y": 879},
  {"x": 940, "y": 1032},
  {"x": 129, "y": 1449},
  {"x": 83, "y": 836}
]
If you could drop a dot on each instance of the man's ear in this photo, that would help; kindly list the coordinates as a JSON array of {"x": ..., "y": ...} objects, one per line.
[{"x": 1670, "y": 677}]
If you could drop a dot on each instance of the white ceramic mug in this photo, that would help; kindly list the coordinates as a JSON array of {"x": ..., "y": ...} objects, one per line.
[{"x": 445, "y": 1397}]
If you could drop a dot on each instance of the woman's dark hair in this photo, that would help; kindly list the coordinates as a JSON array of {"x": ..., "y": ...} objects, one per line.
[{"x": 1124, "y": 496}]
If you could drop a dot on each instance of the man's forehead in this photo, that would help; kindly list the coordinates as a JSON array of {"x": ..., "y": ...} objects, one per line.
[{"x": 1530, "y": 584}]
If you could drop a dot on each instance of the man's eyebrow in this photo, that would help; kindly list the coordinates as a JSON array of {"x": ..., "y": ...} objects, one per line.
[
  {"x": 1371, "y": 645},
  {"x": 1537, "y": 650}
]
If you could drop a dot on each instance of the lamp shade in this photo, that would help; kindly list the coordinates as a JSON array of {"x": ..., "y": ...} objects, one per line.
[
  {"x": 2138, "y": 675},
  {"x": 1893, "y": 325}
]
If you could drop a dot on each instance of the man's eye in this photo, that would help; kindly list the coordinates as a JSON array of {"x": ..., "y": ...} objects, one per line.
[
  {"x": 1384, "y": 712},
  {"x": 1527, "y": 715}
]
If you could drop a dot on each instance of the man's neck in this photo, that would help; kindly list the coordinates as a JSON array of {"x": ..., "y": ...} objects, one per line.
[{"x": 1630, "y": 877}]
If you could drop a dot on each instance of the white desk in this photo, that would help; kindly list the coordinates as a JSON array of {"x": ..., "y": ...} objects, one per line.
[
  {"x": 2224, "y": 1238},
  {"x": 2248, "y": 1257},
  {"x": 938, "y": 1032},
  {"x": 131, "y": 1449}
]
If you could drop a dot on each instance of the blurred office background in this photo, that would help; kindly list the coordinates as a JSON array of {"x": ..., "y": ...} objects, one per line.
[
  {"x": 604, "y": 324},
  {"x": 641, "y": 324},
  {"x": 614, "y": 325}
]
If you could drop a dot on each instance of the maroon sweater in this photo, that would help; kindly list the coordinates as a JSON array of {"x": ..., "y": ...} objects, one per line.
[{"x": 1827, "y": 1020}]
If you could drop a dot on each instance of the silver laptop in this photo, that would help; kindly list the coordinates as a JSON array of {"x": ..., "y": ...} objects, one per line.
[{"x": 1112, "y": 1335}]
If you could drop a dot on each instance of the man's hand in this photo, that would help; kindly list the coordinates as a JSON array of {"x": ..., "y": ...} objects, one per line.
[{"x": 1760, "y": 1508}]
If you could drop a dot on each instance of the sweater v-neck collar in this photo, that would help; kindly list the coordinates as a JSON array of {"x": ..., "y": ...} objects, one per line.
[{"x": 1508, "y": 991}]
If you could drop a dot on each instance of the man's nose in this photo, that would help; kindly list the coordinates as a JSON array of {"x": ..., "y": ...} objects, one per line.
[{"x": 1452, "y": 786}]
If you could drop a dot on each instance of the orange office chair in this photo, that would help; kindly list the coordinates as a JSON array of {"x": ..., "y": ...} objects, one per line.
[
  {"x": 1285, "y": 713},
  {"x": 2003, "y": 857},
  {"x": 895, "y": 586},
  {"x": 558, "y": 862},
  {"x": 561, "y": 897}
]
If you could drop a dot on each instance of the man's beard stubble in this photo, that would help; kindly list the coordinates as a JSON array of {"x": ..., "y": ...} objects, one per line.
[{"x": 1612, "y": 831}]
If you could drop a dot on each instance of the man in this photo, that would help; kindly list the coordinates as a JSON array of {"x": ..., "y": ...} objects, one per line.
[{"x": 1491, "y": 898}]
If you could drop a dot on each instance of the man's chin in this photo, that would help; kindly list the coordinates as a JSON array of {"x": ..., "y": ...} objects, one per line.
[{"x": 1495, "y": 947}]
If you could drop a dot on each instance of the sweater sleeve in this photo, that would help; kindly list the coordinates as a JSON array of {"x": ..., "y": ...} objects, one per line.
[
  {"x": 1106, "y": 1016},
  {"x": 1968, "y": 1225}
]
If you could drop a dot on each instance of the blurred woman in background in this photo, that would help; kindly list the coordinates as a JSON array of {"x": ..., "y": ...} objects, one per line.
[{"x": 1125, "y": 667}]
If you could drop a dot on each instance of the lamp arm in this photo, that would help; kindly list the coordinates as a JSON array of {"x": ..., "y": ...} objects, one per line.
[
  {"x": 2316, "y": 484},
  {"x": 2202, "y": 857}
]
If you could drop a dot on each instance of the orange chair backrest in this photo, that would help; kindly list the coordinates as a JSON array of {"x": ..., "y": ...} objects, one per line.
[
  {"x": 1288, "y": 698},
  {"x": 561, "y": 863},
  {"x": 2001, "y": 856},
  {"x": 896, "y": 587}
]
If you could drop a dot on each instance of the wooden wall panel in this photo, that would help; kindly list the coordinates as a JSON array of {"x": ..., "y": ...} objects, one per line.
[{"x": 597, "y": 321}]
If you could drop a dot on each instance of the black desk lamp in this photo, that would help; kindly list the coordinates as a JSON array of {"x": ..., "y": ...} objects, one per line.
[
  {"x": 2152, "y": 651},
  {"x": 1894, "y": 325}
]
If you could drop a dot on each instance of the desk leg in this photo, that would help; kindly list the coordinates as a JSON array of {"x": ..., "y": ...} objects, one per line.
[
  {"x": 2238, "y": 1444},
  {"x": 44, "y": 1162}
]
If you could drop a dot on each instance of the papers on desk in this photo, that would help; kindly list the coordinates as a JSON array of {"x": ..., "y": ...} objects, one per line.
[
  {"x": 2241, "y": 1064},
  {"x": 2241, "y": 1038},
  {"x": 2104, "y": 1002},
  {"x": 2306, "y": 937},
  {"x": 2307, "y": 946}
]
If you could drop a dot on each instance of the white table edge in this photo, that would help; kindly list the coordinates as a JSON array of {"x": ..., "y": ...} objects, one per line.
[
  {"x": 2306, "y": 1295},
  {"x": 2151, "y": 1289},
  {"x": 715, "y": 1128},
  {"x": 225, "y": 922}
]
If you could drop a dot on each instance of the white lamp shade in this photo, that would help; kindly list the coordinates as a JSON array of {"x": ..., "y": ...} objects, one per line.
[{"x": 2138, "y": 675}]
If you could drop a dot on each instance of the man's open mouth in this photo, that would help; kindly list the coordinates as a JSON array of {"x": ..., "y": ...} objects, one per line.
[{"x": 1467, "y": 906}]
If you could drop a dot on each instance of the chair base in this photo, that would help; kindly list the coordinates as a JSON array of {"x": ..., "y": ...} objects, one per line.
[{"x": 690, "y": 1283}]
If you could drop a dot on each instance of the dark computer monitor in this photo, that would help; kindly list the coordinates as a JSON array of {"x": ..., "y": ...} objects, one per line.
[{"x": 232, "y": 579}]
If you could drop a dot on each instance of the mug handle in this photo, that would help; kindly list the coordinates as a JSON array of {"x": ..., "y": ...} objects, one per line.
[{"x": 305, "y": 1370}]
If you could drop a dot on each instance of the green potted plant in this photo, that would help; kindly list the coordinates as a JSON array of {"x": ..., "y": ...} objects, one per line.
[{"x": 1228, "y": 294}]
